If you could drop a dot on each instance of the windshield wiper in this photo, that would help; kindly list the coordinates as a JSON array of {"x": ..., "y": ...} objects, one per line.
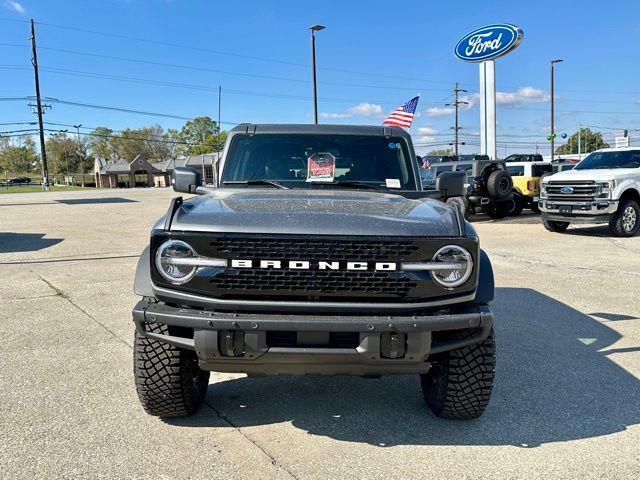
[
  {"x": 349, "y": 183},
  {"x": 255, "y": 182}
]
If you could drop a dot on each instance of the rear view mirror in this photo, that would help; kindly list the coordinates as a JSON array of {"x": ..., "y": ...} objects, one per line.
[
  {"x": 186, "y": 180},
  {"x": 451, "y": 184}
]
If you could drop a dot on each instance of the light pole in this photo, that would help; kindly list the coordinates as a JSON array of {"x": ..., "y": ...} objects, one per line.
[
  {"x": 553, "y": 133},
  {"x": 77, "y": 127},
  {"x": 314, "y": 29}
]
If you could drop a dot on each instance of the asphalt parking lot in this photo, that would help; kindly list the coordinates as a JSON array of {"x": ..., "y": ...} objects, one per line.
[{"x": 565, "y": 404}]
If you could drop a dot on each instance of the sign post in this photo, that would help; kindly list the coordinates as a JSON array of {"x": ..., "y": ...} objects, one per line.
[{"x": 484, "y": 45}]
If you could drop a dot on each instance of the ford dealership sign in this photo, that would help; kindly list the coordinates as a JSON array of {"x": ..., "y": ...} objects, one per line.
[{"x": 489, "y": 42}]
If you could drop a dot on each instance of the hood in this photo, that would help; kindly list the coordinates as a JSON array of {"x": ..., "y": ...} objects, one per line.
[
  {"x": 595, "y": 175},
  {"x": 314, "y": 212}
]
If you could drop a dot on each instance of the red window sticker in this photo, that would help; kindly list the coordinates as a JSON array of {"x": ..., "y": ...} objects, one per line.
[{"x": 321, "y": 167}]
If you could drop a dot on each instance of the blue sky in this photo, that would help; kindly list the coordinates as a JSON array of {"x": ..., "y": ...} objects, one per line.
[{"x": 372, "y": 56}]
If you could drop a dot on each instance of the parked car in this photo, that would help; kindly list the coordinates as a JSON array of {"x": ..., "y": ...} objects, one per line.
[
  {"x": 564, "y": 164},
  {"x": 602, "y": 188},
  {"x": 526, "y": 184},
  {"x": 314, "y": 254},
  {"x": 19, "y": 180},
  {"x": 524, "y": 157},
  {"x": 489, "y": 185}
]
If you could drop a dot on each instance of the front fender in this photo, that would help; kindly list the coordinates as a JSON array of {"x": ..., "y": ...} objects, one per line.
[
  {"x": 486, "y": 284},
  {"x": 142, "y": 283}
]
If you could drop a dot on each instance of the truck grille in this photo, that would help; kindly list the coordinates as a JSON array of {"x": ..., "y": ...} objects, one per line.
[
  {"x": 313, "y": 249},
  {"x": 315, "y": 284},
  {"x": 581, "y": 191}
]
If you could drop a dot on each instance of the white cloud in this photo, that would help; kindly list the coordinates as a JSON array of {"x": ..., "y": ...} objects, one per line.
[
  {"x": 522, "y": 95},
  {"x": 439, "y": 111},
  {"x": 364, "y": 109},
  {"x": 14, "y": 6},
  {"x": 425, "y": 134}
]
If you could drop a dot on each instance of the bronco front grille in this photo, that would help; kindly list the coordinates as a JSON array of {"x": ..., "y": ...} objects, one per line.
[
  {"x": 315, "y": 284},
  {"x": 389, "y": 284},
  {"x": 313, "y": 249}
]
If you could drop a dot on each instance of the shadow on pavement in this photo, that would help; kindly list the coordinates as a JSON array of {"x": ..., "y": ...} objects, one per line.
[
  {"x": 552, "y": 385},
  {"x": 25, "y": 242},
  {"x": 88, "y": 201}
]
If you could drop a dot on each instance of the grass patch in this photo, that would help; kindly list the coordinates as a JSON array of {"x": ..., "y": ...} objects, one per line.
[{"x": 38, "y": 188}]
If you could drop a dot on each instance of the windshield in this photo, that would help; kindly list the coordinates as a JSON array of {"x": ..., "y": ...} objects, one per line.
[
  {"x": 602, "y": 160},
  {"x": 308, "y": 160}
]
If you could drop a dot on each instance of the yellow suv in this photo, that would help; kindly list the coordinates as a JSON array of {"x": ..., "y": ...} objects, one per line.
[{"x": 526, "y": 183}]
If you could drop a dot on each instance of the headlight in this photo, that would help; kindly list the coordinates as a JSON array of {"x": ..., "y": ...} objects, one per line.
[
  {"x": 459, "y": 266},
  {"x": 605, "y": 189},
  {"x": 174, "y": 261},
  {"x": 543, "y": 190}
]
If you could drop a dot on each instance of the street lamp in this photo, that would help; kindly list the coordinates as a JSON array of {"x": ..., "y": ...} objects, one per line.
[
  {"x": 314, "y": 29},
  {"x": 553, "y": 133},
  {"x": 77, "y": 127}
]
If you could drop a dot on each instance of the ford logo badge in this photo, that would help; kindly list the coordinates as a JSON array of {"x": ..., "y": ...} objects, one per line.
[
  {"x": 488, "y": 42},
  {"x": 566, "y": 190}
]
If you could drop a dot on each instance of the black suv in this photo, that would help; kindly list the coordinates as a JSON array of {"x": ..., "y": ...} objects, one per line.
[
  {"x": 489, "y": 185},
  {"x": 524, "y": 157},
  {"x": 317, "y": 252}
]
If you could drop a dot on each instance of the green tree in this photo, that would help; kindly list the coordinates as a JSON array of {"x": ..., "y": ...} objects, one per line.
[
  {"x": 18, "y": 156},
  {"x": 62, "y": 154},
  {"x": 100, "y": 143},
  {"x": 202, "y": 135},
  {"x": 441, "y": 151},
  {"x": 589, "y": 141}
]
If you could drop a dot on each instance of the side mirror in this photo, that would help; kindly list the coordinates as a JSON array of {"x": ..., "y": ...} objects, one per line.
[
  {"x": 451, "y": 184},
  {"x": 186, "y": 179}
]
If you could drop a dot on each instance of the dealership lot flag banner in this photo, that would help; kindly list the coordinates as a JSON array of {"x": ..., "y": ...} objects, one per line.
[{"x": 403, "y": 115}]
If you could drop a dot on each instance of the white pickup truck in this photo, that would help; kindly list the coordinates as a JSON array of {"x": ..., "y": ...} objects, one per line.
[{"x": 602, "y": 188}]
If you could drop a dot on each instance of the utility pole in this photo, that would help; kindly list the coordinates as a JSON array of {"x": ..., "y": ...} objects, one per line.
[
  {"x": 456, "y": 104},
  {"x": 314, "y": 29},
  {"x": 43, "y": 151},
  {"x": 553, "y": 133},
  {"x": 579, "y": 142},
  {"x": 219, "y": 101},
  {"x": 81, "y": 154}
]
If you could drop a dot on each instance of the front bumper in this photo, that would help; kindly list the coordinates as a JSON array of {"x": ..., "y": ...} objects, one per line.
[
  {"x": 595, "y": 211},
  {"x": 258, "y": 357}
]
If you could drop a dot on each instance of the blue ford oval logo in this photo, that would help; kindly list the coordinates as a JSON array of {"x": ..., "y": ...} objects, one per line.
[
  {"x": 489, "y": 42},
  {"x": 566, "y": 190}
]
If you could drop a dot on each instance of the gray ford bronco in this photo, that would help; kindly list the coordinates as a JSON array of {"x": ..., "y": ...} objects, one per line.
[{"x": 316, "y": 252}]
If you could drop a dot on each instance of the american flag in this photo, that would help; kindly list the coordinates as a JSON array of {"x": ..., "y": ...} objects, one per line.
[{"x": 403, "y": 115}]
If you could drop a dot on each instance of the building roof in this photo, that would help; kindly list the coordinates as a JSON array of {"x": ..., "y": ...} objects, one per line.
[{"x": 117, "y": 166}]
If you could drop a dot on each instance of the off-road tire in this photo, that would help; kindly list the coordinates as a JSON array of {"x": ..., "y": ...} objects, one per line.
[
  {"x": 459, "y": 384},
  {"x": 625, "y": 222},
  {"x": 499, "y": 184},
  {"x": 168, "y": 380},
  {"x": 553, "y": 226},
  {"x": 498, "y": 210},
  {"x": 515, "y": 206},
  {"x": 462, "y": 203}
]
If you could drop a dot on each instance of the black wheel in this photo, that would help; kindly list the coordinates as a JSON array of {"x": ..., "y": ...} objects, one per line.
[
  {"x": 515, "y": 206},
  {"x": 168, "y": 379},
  {"x": 462, "y": 203},
  {"x": 498, "y": 210},
  {"x": 554, "y": 226},
  {"x": 459, "y": 384},
  {"x": 626, "y": 221},
  {"x": 499, "y": 184}
]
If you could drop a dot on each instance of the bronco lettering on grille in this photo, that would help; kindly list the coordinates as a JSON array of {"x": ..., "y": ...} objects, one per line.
[{"x": 307, "y": 265}]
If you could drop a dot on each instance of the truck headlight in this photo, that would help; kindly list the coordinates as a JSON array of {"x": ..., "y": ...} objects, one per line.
[
  {"x": 456, "y": 257},
  {"x": 174, "y": 261},
  {"x": 543, "y": 190},
  {"x": 605, "y": 189}
]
